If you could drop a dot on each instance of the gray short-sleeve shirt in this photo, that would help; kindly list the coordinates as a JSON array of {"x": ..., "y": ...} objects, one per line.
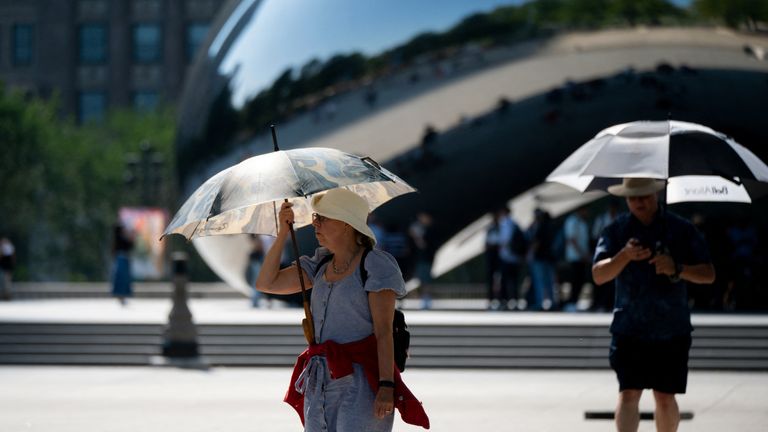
[{"x": 340, "y": 309}]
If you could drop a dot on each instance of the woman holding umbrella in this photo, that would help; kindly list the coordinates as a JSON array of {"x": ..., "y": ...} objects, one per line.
[{"x": 346, "y": 380}]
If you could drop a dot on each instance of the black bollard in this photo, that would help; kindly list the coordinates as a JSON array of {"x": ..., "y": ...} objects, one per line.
[{"x": 180, "y": 335}]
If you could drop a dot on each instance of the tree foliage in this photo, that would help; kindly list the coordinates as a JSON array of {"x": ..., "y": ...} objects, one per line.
[{"x": 61, "y": 184}]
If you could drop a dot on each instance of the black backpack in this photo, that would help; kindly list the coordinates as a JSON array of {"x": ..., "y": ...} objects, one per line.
[
  {"x": 518, "y": 244},
  {"x": 400, "y": 334}
]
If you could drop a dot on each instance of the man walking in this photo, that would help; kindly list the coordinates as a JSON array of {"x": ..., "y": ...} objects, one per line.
[
  {"x": 577, "y": 254},
  {"x": 651, "y": 254},
  {"x": 512, "y": 251}
]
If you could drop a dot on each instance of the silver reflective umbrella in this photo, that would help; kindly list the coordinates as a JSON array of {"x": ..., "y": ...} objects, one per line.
[
  {"x": 698, "y": 163},
  {"x": 243, "y": 198}
]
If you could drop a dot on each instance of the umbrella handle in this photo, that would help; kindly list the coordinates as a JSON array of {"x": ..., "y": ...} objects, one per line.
[{"x": 307, "y": 324}]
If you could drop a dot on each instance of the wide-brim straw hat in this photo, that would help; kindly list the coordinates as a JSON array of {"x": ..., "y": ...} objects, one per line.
[
  {"x": 346, "y": 206},
  {"x": 632, "y": 187}
]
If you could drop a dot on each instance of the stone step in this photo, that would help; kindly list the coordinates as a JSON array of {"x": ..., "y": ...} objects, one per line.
[
  {"x": 58, "y": 290},
  {"x": 500, "y": 346}
]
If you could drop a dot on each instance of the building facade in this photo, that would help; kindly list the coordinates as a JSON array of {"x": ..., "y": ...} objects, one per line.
[{"x": 98, "y": 54}]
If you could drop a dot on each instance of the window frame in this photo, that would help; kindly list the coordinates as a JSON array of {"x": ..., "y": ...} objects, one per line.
[
  {"x": 80, "y": 58},
  {"x": 80, "y": 106},
  {"x": 135, "y": 46},
  {"x": 15, "y": 58}
]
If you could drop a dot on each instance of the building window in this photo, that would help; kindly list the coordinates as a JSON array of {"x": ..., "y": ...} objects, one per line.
[
  {"x": 146, "y": 100},
  {"x": 147, "y": 43},
  {"x": 196, "y": 33},
  {"x": 23, "y": 44},
  {"x": 92, "y": 43},
  {"x": 92, "y": 106}
]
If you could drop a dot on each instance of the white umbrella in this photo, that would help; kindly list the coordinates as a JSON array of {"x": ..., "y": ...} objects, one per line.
[{"x": 700, "y": 163}]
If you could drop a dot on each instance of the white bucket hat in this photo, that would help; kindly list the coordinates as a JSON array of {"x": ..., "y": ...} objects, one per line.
[
  {"x": 346, "y": 206},
  {"x": 632, "y": 187}
]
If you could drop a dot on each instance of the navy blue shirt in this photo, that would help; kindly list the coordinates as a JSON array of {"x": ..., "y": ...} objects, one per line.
[{"x": 650, "y": 306}]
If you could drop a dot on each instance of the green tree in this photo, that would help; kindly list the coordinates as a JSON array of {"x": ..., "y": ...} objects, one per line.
[
  {"x": 650, "y": 12},
  {"x": 61, "y": 184},
  {"x": 585, "y": 13},
  {"x": 24, "y": 130}
]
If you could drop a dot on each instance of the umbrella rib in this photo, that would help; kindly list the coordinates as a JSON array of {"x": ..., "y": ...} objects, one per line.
[
  {"x": 368, "y": 159},
  {"x": 295, "y": 174},
  {"x": 195, "y": 230},
  {"x": 594, "y": 155}
]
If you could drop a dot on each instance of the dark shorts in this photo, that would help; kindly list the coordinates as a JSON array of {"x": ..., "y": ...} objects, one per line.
[{"x": 657, "y": 365}]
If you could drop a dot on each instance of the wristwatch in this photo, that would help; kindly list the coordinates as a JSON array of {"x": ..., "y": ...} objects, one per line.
[{"x": 676, "y": 275}]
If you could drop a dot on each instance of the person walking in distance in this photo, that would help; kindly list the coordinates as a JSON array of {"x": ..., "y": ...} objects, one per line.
[
  {"x": 512, "y": 251},
  {"x": 122, "y": 280},
  {"x": 577, "y": 254},
  {"x": 493, "y": 261},
  {"x": 542, "y": 262},
  {"x": 421, "y": 233},
  {"x": 651, "y": 254}
]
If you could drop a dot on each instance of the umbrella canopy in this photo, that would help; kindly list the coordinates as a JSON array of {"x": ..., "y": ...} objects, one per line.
[
  {"x": 242, "y": 198},
  {"x": 700, "y": 163}
]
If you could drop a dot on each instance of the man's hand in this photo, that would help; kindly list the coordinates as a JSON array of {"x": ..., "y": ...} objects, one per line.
[
  {"x": 634, "y": 251},
  {"x": 664, "y": 264}
]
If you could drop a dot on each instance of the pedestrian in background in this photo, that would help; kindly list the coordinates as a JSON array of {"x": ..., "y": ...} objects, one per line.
[
  {"x": 7, "y": 265},
  {"x": 577, "y": 255},
  {"x": 421, "y": 233},
  {"x": 542, "y": 261},
  {"x": 651, "y": 254},
  {"x": 493, "y": 260},
  {"x": 395, "y": 241},
  {"x": 122, "y": 280},
  {"x": 255, "y": 259},
  {"x": 513, "y": 248}
]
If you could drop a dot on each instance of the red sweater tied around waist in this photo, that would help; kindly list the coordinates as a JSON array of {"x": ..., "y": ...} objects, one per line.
[{"x": 340, "y": 358}]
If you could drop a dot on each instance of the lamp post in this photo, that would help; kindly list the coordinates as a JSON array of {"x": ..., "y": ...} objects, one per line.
[
  {"x": 180, "y": 333},
  {"x": 144, "y": 171},
  {"x": 180, "y": 346}
]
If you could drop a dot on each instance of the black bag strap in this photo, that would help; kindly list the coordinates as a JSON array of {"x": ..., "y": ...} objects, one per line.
[{"x": 363, "y": 271}]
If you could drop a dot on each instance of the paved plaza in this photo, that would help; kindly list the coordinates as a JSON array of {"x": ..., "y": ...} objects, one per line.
[
  {"x": 115, "y": 399},
  {"x": 232, "y": 399}
]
